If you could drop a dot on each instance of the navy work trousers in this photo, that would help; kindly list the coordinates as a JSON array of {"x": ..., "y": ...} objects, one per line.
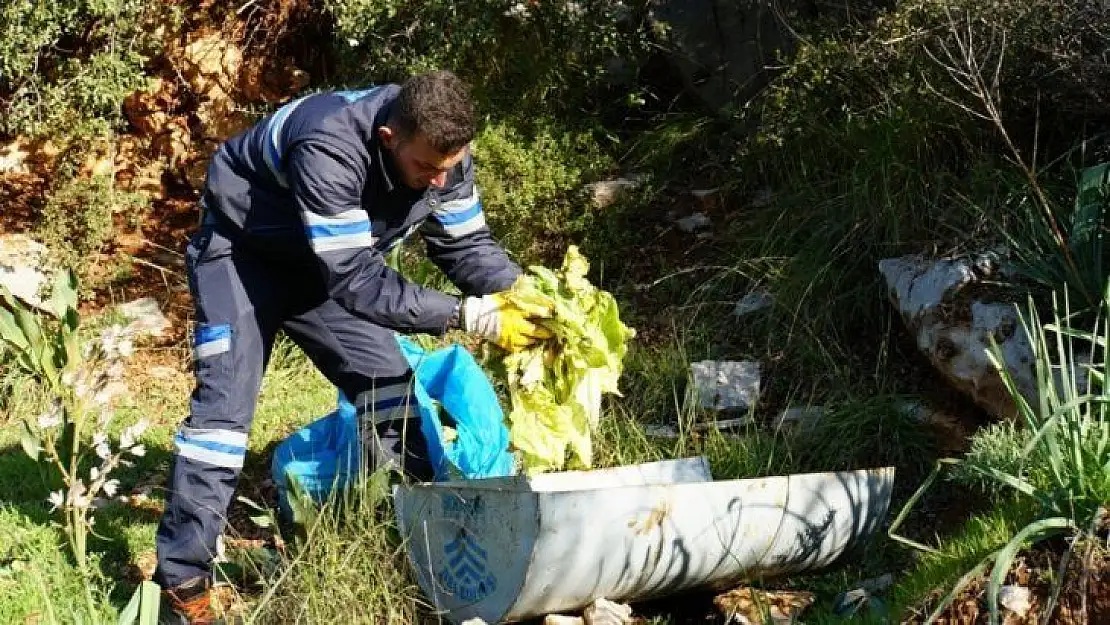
[{"x": 242, "y": 301}]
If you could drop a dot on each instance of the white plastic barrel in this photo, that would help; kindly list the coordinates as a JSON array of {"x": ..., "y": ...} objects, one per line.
[{"x": 508, "y": 549}]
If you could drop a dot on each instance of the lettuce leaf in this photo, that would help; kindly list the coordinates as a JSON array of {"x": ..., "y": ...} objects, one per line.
[{"x": 556, "y": 386}]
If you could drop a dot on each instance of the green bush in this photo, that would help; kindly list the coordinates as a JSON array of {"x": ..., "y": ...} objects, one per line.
[
  {"x": 531, "y": 186},
  {"x": 523, "y": 57},
  {"x": 66, "y": 65},
  {"x": 79, "y": 219}
]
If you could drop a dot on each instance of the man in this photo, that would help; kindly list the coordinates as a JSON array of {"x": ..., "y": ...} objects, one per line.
[{"x": 297, "y": 214}]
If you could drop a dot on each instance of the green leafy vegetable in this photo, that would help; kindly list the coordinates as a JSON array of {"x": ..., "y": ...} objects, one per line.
[{"x": 556, "y": 386}]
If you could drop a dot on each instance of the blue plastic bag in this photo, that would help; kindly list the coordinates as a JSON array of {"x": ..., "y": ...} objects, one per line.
[{"x": 326, "y": 454}]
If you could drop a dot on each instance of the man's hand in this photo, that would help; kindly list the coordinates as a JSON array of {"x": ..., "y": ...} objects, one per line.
[{"x": 500, "y": 320}]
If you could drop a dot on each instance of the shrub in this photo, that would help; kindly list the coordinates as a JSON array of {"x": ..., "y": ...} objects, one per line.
[
  {"x": 79, "y": 219},
  {"x": 530, "y": 185},
  {"x": 66, "y": 65},
  {"x": 524, "y": 56}
]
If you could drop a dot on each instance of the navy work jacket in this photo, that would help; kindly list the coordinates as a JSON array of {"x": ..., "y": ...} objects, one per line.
[{"x": 311, "y": 184}]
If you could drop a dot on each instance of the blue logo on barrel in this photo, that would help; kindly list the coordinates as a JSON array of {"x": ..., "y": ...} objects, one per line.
[{"x": 466, "y": 573}]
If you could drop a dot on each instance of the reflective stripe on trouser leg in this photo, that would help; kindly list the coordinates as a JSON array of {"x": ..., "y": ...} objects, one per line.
[{"x": 390, "y": 426}]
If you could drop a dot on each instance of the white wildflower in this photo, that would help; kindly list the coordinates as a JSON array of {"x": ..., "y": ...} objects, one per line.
[
  {"x": 575, "y": 9},
  {"x": 93, "y": 474},
  {"x": 132, "y": 433},
  {"x": 56, "y": 499},
  {"x": 103, "y": 450},
  {"x": 352, "y": 42},
  {"x": 110, "y": 487},
  {"x": 51, "y": 418},
  {"x": 78, "y": 497},
  {"x": 138, "y": 451}
]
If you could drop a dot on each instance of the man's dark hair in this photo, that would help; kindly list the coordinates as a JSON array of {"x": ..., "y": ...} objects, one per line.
[{"x": 436, "y": 105}]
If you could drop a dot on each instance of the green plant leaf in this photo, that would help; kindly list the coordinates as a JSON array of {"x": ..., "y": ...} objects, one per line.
[
  {"x": 10, "y": 332},
  {"x": 64, "y": 297},
  {"x": 142, "y": 609},
  {"x": 30, "y": 442},
  {"x": 1035, "y": 531}
]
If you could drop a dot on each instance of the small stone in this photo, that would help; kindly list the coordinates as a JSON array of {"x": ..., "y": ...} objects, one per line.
[
  {"x": 605, "y": 612},
  {"x": 753, "y": 301},
  {"x": 606, "y": 192},
  {"x": 694, "y": 222},
  {"x": 560, "y": 619},
  {"x": 145, "y": 316},
  {"x": 726, "y": 384},
  {"x": 1016, "y": 599}
]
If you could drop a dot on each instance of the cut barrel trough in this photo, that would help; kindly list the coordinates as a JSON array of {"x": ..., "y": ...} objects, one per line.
[{"x": 513, "y": 548}]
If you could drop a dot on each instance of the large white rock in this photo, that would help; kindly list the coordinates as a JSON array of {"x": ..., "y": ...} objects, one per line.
[
  {"x": 23, "y": 268},
  {"x": 953, "y": 329}
]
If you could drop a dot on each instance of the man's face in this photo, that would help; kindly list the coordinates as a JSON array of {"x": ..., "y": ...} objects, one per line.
[{"x": 420, "y": 165}]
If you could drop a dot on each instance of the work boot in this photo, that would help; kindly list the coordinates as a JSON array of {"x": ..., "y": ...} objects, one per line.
[{"x": 189, "y": 604}]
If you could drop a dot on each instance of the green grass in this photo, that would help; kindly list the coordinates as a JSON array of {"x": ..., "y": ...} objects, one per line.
[{"x": 293, "y": 394}]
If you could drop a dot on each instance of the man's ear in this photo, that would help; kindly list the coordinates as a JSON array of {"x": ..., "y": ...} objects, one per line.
[{"x": 387, "y": 137}]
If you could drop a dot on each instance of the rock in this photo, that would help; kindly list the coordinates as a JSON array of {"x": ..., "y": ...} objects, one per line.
[
  {"x": 560, "y": 619},
  {"x": 474, "y": 621},
  {"x": 606, "y": 192},
  {"x": 726, "y": 384},
  {"x": 605, "y": 612},
  {"x": 211, "y": 65},
  {"x": 748, "y": 606},
  {"x": 1016, "y": 599},
  {"x": 753, "y": 301},
  {"x": 954, "y": 330},
  {"x": 145, "y": 317},
  {"x": 22, "y": 268},
  {"x": 222, "y": 119},
  {"x": 694, "y": 222}
]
